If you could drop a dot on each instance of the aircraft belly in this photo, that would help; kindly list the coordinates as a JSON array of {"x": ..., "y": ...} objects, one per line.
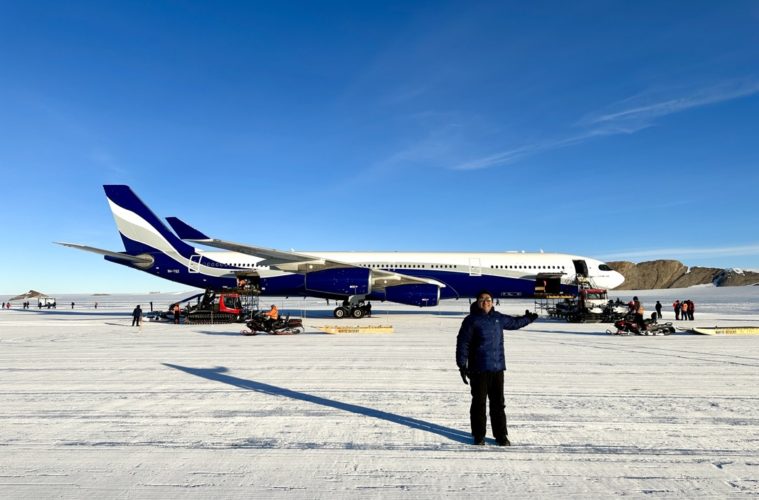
[
  {"x": 284, "y": 285},
  {"x": 465, "y": 285}
]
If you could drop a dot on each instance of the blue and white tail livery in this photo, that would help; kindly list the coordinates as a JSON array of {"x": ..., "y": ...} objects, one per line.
[{"x": 414, "y": 278}]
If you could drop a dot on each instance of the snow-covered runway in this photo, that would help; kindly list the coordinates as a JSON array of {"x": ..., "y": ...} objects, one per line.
[{"x": 91, "y": 407}]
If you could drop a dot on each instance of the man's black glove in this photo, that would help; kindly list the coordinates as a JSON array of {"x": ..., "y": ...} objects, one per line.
[
  {"x": 530, "y": 315},
  {"x": 464, "y": 375}
]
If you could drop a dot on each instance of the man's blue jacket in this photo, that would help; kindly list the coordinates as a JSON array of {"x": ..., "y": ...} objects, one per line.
[{"x": 479, "y": 345}]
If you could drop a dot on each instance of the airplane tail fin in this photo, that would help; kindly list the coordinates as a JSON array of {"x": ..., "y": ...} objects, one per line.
[{"x": 140, "y": 229}]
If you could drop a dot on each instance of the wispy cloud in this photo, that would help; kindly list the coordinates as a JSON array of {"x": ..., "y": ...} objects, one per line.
[
  {"x": 624, "y": 117},
  {"x": 512, "y": 155},
  {"x": 684, "y": 252},
  {"x": 641, "y": 110}
]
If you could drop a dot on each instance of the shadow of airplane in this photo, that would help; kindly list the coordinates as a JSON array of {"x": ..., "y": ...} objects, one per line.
[{"x": 218, "y": 375}]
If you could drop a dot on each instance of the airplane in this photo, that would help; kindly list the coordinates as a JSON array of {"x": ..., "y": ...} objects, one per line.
[{"x": 412, "y": 278}]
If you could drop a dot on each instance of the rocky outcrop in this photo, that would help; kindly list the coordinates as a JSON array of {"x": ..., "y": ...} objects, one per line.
[
  {"x": 674, "y": 274},
  {"x": 737, "y": 277}
]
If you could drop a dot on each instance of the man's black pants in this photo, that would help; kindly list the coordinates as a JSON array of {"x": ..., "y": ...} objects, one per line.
[{"x": 487, "y": 385}]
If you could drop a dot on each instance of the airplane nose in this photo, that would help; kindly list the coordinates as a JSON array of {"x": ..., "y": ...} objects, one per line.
[{"x": 616, "y": 279}]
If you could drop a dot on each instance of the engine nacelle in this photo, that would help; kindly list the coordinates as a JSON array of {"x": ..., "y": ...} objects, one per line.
[
  {"x": 421, "y": 295},
  {"x": 340, "y": 281}
]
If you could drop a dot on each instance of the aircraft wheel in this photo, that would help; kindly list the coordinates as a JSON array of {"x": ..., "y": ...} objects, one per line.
[
  {"x": 340, "y": 312},
  {"x": 357, "y": 313}
]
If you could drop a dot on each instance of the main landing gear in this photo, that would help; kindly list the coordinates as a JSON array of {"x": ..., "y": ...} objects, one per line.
[{"x": 355, "y": 310}]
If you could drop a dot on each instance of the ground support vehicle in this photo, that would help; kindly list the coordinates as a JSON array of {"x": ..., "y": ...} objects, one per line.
[
  {"x": 628, "y": 326},
  {"x": 285, "y": 325},
  {"x": 592, "y": 305},
  {"x": 208, "y": 307},
  {"x": 215, "y": 307}
]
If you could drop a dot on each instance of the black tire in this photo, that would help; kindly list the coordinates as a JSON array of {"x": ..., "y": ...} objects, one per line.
[
  {"x": 358, "y": 313},
  {"x": 340, "y": 312}
]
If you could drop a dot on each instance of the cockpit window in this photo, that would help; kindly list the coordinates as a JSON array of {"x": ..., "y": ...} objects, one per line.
[{"x": 605, "y": 267}]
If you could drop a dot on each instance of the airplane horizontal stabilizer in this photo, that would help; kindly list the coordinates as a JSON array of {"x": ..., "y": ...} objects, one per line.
[
  {"x": 184, "y": 230},
  {"x": 115, "y": 255}
]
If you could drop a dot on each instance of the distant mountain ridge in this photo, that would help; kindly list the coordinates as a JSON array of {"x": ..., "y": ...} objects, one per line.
[{"x": 674, "y": 274}]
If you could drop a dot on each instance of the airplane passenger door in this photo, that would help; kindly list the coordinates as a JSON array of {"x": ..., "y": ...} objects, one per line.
[
  {"x": 193, "y": 265},
  {"x": 581, "y": 268},
  {"x": 474, "y": 266}
]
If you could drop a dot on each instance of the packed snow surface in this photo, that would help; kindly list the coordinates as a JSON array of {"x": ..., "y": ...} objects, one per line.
[{"x": 94, "y": 408}]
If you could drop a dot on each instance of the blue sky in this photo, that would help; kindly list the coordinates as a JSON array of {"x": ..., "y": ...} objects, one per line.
[{"x": 619, "y": 130}]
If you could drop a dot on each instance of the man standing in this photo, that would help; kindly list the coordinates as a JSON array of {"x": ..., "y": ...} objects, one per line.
[
  {"x": 658, "y": 310},
  {"x": 639, "y": 311},
  {"x": 480, "y": 357},
  {"x": 136, "y": 316}
]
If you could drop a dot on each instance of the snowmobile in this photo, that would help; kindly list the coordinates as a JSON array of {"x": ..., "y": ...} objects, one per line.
[
  {"x": 628, "y": 326},
  {"x": 286, "y": 325}
]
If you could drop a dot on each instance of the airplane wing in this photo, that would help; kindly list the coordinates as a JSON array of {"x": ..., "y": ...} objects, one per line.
[
  {"x": 135, "y": 259},
  {"x": 382, "y": 279},
  {"x": 294, "y": 262},
  {"x": 272, "y": 257}
]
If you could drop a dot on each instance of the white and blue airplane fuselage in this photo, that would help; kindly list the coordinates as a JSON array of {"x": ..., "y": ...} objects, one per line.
[{"x": 415, "y": 278}]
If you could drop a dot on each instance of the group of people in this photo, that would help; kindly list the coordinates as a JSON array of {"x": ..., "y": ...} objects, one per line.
[
  {"x": 684, "y": 309},
  {"x": 27, "y": 305},
  {"x": 40, "y": 305}
]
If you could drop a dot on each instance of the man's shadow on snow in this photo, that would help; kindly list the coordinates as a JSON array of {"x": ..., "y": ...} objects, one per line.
[{"x": 218, "y": 375}]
